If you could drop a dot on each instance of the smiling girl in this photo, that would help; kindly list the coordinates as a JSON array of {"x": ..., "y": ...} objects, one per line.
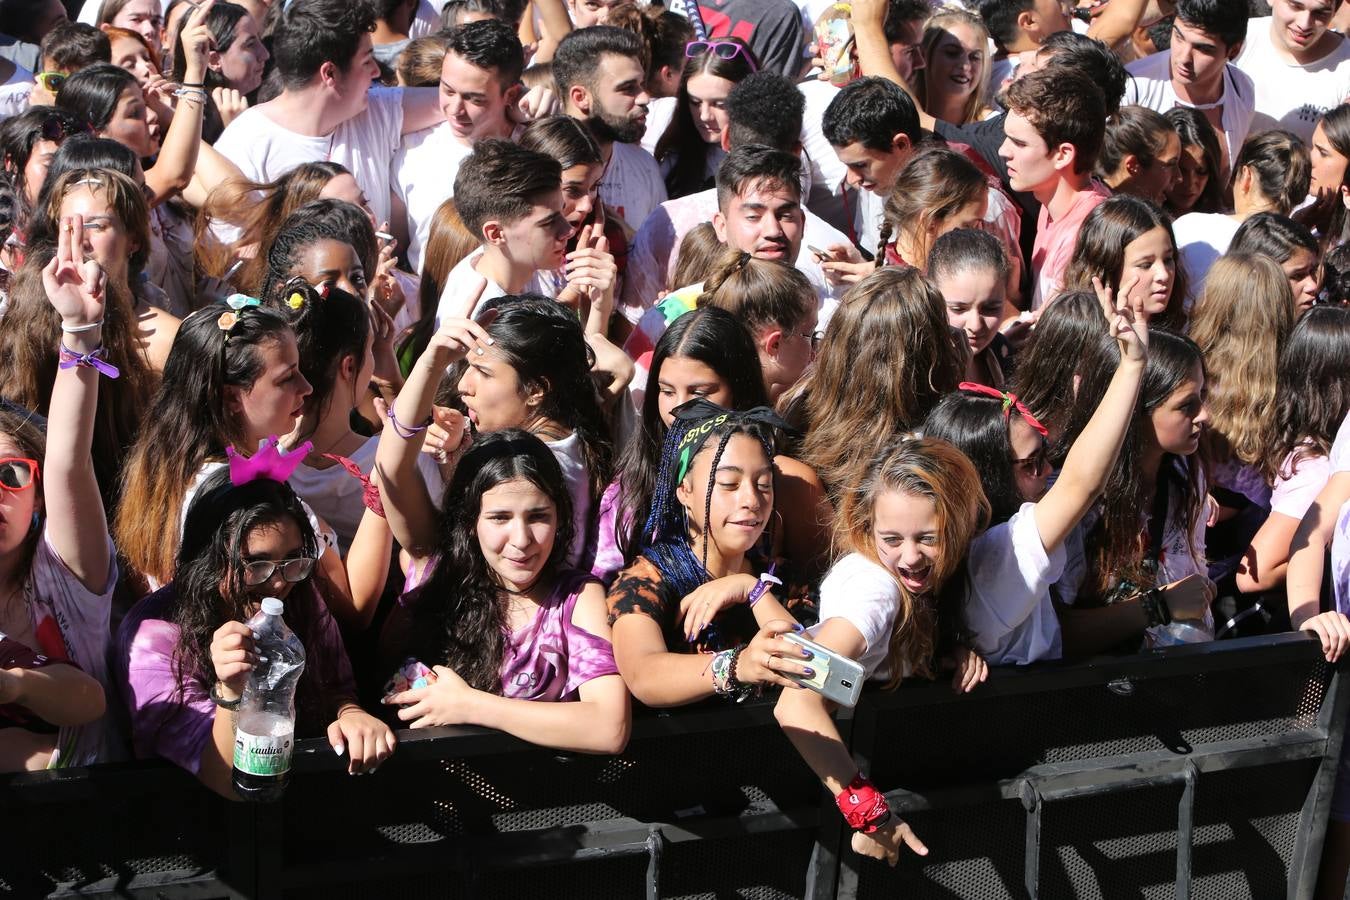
[
  {"x": 493, "y": 606},
  {"x": 954, "y": 79}
]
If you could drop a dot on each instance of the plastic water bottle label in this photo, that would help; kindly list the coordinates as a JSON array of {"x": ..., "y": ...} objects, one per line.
[{"x": 263, "y": 754}]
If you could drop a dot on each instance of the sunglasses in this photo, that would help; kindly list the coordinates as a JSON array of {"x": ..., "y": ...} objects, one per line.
[
  {"x": 720, "y": 49},
  {"x": 1035, "y": 464},
  {"x": 17, "y": 473},
  {"x": 51, "y": 81},
  {"x": 292, "y": 570},
  {"x": 54, "y": 130}
]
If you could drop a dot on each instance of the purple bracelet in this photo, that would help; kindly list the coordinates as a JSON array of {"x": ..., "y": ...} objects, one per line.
[
  {"x": 765, "y": 579},
  {"x": 405, "y": 431},
  {"x": 94, "y": 359}
]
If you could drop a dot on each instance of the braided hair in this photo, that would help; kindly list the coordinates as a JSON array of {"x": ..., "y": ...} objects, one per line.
[{"x": 664, "y": 540}]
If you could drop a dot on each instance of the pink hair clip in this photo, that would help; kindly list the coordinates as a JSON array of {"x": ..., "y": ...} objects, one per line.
[{"x": 269, "y": 462}]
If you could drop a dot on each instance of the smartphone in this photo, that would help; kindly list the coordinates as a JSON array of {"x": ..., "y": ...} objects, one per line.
[
  {"x": 819, "y": 253},
  {"x": 837, "y": 677}
]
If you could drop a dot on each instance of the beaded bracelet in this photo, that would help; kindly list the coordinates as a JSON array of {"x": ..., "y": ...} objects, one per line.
[
  {"x": 406, "y": 431},
  {"x": 721, "y": 671},
  {"x": 1155, "y": 608},
  {"x": 94, "y": 359}
]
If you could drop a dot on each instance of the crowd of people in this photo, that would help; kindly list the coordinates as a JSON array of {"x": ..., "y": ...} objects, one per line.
[{"x": 546, "y": 357}]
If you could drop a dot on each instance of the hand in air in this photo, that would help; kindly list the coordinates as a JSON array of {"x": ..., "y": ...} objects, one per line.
[
  {"x": 1125, "y": 316},
  {"x": 74, "y": 281}
]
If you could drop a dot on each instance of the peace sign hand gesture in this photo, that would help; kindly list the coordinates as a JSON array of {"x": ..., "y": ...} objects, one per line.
[
  {"x": 1125, "y": 316},
  {"x": 75, "y": 289}
]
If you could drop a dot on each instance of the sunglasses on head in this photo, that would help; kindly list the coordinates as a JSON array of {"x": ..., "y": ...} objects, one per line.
[
  {"x": 54, "y": 129},
  {"x": 17, "y": 473},
  {"x": 51, "y": 81},
  {"x": 720, "y": 49}
]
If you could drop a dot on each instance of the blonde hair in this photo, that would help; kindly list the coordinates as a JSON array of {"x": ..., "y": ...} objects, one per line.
[
  {"x": 699, "y": 252},
  {"x": 937, "y": 471},
  {"x": 887, "y": 358},
  {"x": 933, "y": 31},
  {"x": 933, "y": 186},
  {"x": 419, "y": 65},
  {"x": 1241, "y": 322}
]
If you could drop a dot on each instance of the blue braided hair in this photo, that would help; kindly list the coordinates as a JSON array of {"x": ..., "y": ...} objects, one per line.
[{"x": 664, "y": 540}]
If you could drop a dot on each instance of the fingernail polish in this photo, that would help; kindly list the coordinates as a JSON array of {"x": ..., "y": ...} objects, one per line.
[
  {"x": 798, "y": 627},
  {"x": 339, "y": 748},
  {"x": 809, "y": 672},
  {"x": 807, "y": 654}
]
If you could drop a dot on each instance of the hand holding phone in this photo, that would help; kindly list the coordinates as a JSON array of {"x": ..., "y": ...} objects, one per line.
[{"x": 836, "y": 677}]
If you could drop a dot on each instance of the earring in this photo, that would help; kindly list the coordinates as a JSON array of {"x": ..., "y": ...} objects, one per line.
[{"x": 36, "y": 523}]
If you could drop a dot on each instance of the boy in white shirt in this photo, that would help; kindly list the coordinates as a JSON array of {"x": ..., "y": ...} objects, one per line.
[
  {"x": 1198, "y": 72},
  {"x": 480, "y": 83},
  {"x": 601, "y": 81},
  {"x": 511, "y": 199},
  {"x": 1300, "y": 66},
  {"x": 327, "y": 109}
]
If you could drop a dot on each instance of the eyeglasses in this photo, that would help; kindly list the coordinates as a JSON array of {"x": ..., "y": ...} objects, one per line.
[
  {"x": 292, "y": 570},
  {"x": 51, "y": 81},
  {"x": 815, "y": 337},
  {"x": 17, "y": 473},
  {"x": 722, "y": 50}
]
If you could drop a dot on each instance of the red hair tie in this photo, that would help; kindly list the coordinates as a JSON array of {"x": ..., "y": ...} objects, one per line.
[{"x": 1009, "y": 401}]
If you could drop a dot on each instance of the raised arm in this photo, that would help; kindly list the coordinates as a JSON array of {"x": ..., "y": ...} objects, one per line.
[
  {"x": 1306, "y": 563},
  {"x": 177, "y": 161},
  {"x": 874, "y": 54},
  {"x": 407, "y": 504},
  {"x": 77, "y": 525},
  {"x": 557, "y": 24},
  {"x": 1094, "y": 453}
]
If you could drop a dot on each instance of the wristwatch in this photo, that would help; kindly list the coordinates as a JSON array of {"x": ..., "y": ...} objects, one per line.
[{"x": 221, "y": 701}]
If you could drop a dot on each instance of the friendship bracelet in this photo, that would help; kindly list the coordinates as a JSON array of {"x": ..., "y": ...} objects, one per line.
[
  {"x": 94, "y": 359},
  {"x": 406, "y": 431},
  {"x": 721, "y": 672},
  {"x": 78, "y": 329},
  {"x": 192, "y": 84},
  {"x": 760, "y": 588}
]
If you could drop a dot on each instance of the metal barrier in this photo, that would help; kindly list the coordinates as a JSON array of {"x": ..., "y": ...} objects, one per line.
[{"x": 1202, "y": 771}]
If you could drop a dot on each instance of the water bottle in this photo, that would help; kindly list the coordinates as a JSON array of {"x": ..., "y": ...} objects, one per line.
[{"x": 264, "y": 735}]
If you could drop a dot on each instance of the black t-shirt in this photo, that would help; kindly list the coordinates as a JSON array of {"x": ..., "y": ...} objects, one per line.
[{"x": 772, "y": 28}]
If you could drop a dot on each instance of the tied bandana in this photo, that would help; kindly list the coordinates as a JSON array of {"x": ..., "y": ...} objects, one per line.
[
  {"x": 709, "y": 416},
  {"x": 1010, "y": 402}
]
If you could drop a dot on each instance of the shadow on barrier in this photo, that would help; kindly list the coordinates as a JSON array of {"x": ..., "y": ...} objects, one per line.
[{"x": 1201, "y": 771}]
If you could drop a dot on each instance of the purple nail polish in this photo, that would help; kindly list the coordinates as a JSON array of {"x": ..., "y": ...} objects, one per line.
[
  {"x": 798, "y": 627},
  {"x": 809, "y": 672}
]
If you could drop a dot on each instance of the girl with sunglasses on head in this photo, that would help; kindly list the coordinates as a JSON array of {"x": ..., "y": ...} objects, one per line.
[
  {"x": 57, "y": 564},
  {"x": 27, "y": 144},
  {"x": 1012, "y": 566},
  {"x": 693, "y": 143},
  {"x": 491, "y": 602},
  {"x": 114, "y": 234},
  {"x": 184, "y": 653}
]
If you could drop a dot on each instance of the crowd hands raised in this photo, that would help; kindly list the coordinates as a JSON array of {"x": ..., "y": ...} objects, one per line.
[{"x": 543, "y": 358}]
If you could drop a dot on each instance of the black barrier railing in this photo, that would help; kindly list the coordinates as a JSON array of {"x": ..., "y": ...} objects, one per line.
[{"x": 1201, "y": 771}]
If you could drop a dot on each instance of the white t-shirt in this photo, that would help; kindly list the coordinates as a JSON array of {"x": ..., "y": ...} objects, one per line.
[
  {"x": 1150, "y": 85},
  {"x": 1008, "y": 608},
  {"x": 568, "y": 452},
  {"x": 428, "y": 19},
  {"x": 335, "y": 496},
  {"x": 659, "y": 113},
  {"x": 830, "y": 196},
  {"x": 1340, "y": 448},
  {"x": 632, "y": 183},
  {"x": 265, "y": 150},
  {"x": 868, "y": 596},
  {"x": 1295, "y": 491},
  {"x": 1201, "y": 239},
  {"x": 424, "y": 172},
  {"x": 1290, "y": 95},
  {"x": 464, "y": 279}
]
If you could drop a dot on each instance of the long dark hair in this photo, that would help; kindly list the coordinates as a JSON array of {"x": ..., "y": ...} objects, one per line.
[
  {"x": 663, "y": 539},
  {"x": 91, "y": 94},
  {"x": 459, "y": 613},
  {"x": 209, "y": 587},
  {"x": 1070, "y": 339},
  {"x": 681, "y": 136},
  {"x": 715, "y": 338},
  {"x": 1100, "y": 250},
  {"x": 223, "y": 19},
  {"x": 977, "y": 425},
  {"x": 1195, "y": 131},
  {"x": 188, "y": 424},
  {"x": 1114, "y": 549},
  {"x": 1336, "y": 126},
  {"x": 544, "y": 343},
  {"x": 1312, "y": 393},
  {"x": 330, "y": 325}
]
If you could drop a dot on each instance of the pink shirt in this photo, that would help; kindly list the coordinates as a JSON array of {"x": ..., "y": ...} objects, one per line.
[{"x": 1055, "y": 241}]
